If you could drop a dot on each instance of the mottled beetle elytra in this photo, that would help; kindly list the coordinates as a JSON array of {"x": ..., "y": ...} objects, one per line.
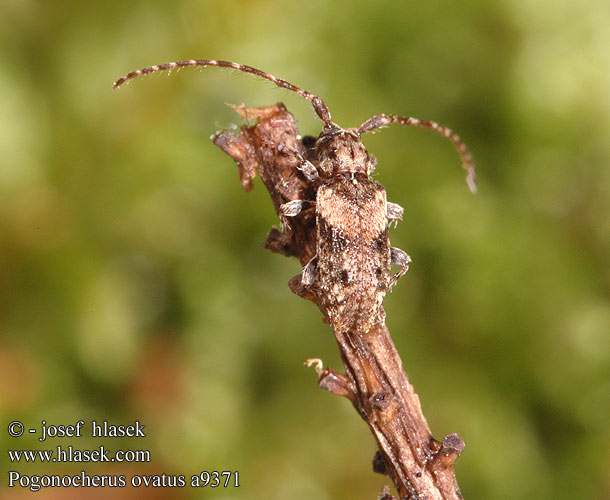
[{"x": 351, "y": 271}]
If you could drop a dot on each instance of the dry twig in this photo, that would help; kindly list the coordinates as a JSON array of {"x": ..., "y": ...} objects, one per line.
[{"x": 374, "y": 381}]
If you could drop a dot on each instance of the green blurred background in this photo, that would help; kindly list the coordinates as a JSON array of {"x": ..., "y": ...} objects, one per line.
[{"x": 134, "y": 284}]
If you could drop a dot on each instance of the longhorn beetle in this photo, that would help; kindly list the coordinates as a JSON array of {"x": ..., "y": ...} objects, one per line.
[{"x": 351, "y": 271}]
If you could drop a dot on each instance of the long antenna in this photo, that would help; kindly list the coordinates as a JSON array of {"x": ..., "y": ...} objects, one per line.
[
  {"x": 318, "y": 104},
  {"x": 382, "y": 120}
]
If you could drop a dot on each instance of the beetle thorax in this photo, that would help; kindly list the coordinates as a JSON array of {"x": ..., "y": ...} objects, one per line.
[{"x": 341, "y": 152}]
